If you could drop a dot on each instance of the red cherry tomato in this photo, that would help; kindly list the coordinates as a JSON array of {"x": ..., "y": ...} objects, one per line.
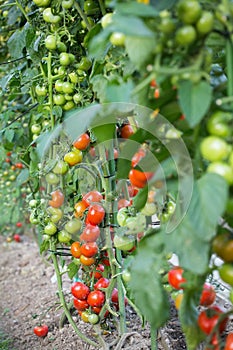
[
  {"x": 82, "y": 142},
  {"x": 80, "y": 305},
  {"x": 101, "y": 283},
  {"x": 208, "y": 319},
  {"x": 91, "y": 197},
  {"x": 137, "y": 157},
  {"x": 84, "y": 260},
  {"x": 89, "y": 249},
  {"x": 175, "y": 277},
  {"x": 80, "y": 290},
  {"x": 126, "y": 131},
  {"x": 96, "y": 298},
  {"x": 91, "y": 233},
  {"x": 123, "y": 203},
  {"x": 17, "y": 238},
  {"x": 208, "y": 295},
  {"x": 41, "y": 331},
  {"x": 75, "y": 249},
  {"x": 19, "y": 224},
  {"x": 95, "y": 214},
  {"x": 229, "y": 342},
  {"x": 57, "y": 199},
  {"x": 98, "y": 272}
]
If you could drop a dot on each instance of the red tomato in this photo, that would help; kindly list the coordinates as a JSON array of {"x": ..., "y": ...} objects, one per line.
[
  {"x": 80, "y": 305},
  {"x": 18, "y": 224},
  {"x": 82, "y": 142},
  {"x": 95, "y": 214},
  {"x": 9, "y": 154},
  {"x": 114, "y": 297},
  {"x": 137, "y": 157},
  {"x": 92, "y": 196},
  {"x": 208, "y": 319},
  {"x": 41, "y": 331},
  {"x": 229, "y": 342},
  {"x": 175, "y": 277},
  {"x": 91, "y": 233},
  {"x": 75, "y": 249},
  {"x": 96, "y": 298},
  {"x": 17, "y": 238},
  {"x": 84, "y": 260},
  {"x": 80, "y": 290},
  {"x": 98, "y": 272},
  {"x": 126, "y": 131},
  {"x": 89, "y": 249},
  {"x": 123, "y": 202},
  {"x": 7, "y": 160},
  {"x": 102, "y": 283},
  {"x": 139, "y": 178},
  {"x": 208, "y": 295},
  {"x": 19, "y": 165}
]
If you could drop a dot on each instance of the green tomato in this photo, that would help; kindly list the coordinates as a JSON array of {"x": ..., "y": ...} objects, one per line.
[
  {"x": 59, "y": 99},
  {"x": 117, "y": 39},
  {"x": 189, "y": 11},
  {"x": 51, "y": 42},
  {"x": 35, "y": 129},
  {"x": 106, "y": 20},
  {"x": 65, "y": 59},
  {"x": 136, "y": 224},
  {"x": 61, "y": 168},
  {"x": 217, "y": 124},
  {"x": 49, "y": 17},
  {"x": 205, "y": 23},
  {"x": 73, "y": 77},
  {"x": 32, "y": 203},
  {"x": 214, "y": 149},
  {"x": 50, "y": 229},
  {"x": 90, "y": 7},
  {"x": 56, "y": 214},
  {"x": 90, "y": 21},
  {"x": 93, "y": 318},
  {"x": 64, "y": 236},
  {"x": 226, "y": 273},
  {"x": 124, "y": 243},
  {"x": 61, "y": 47},
  {"x": 42, "y": 3},
  {"x": 68, "y": 106},
  {"x": 171, "y": 206},
  {"x": 149, "y": 209},
  {"x": 68, "y": 88},
  {"x": 185, "y": 35},
  {"x": 59, "y": 85},
  {"x": 222, "y": 169},
  {"x": 126, "y": 276},
  {"x": 85, "y": 63},
  {"x": 167, "y": 25},
  {"x": 52, "y": 179},
  {"x": 41, "y": 90},
  {"x": 68, "y": 97},
  {"x": 73, "y": 226},
  {"x": 67, "y": 4},
  {"x": 33, "y": 219},
  {"x": 77, "y": 98},
  {"x": 122, "y": 215}
]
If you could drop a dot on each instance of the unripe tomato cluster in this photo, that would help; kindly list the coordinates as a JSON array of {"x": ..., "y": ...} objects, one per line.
[{"x": 216, "y": 148}]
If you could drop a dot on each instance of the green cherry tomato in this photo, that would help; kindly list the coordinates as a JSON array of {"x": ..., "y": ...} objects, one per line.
[
  {"x": 93, "y": 318},
  {"x": 222, "y": 169},
  {"x": 33, "y": 219},
  {"x": 68, "y": 97},
  {"x": 67, "y": 4},
  {"x": 226, "y": 273},
  {"x": 68, "y": 88},
  {"x": 61, "y": 47},
  {"x": 64, "y": 236},
  {"x": 214, "y": 149},
  {"x": 64, "y": 59},
  {"x": 189, "y": 11},
  {"x": 124, "y": 243},
  {"x": 50, "y": 229},
  {"x": 126, "y": 276},
  {"x": 32, "y": 203},
  {"x": 36, "y": 128},
  {"x": 60, "y": 168},
  {"x": 59, "y": 85},
  {"x": 205, "y": 23},
  {"x": 68, "y": 106},
  {"x": 122, "y": 215},
  {"x": 167, "y": 25},
  {"x": 136, "y": 224},
  {"x": 117, "y": 39},
  {"x": 51, "y": 42},
  {"x": 185, "y": 35},
  {"x": 106, "y": 20},
  {"x": 41, "y": 90},
  {"x": 73, "y": 77},
  {"x": 49, "y": 17},
  {"x": 90, "y": 21},
  {"x": 149, "y": 209},
  {"x": 42, "y": 3},
  {"x": 85, "y": 63},
  {"x": 90, "y": 7},
  {"x": 73, "y": 226},
  {"x": 217, "y": 124},
  {"x": 77, "y": 98},
  {"x": 59, "y": 99},
  {"x": 56, "y": 214},
  {"x": 52, "y": 179}
]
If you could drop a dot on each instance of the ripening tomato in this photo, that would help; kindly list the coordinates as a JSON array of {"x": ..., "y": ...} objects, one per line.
[
  {"x": 75, "y": 249},
  {"x": 57, "y": 199},
  {"x": 123, "y": 203},
  {"x": 73, "y": 157},
  {"x": 80, "y": 305},
  {"x": 41, "y": 331},
  {"x": 82, "y": 142},
  {"x": 139, "y": 178},
  {"x": 209, "y": 318},
  {"x": 137, "y": 157},
  {"x": 89, "y": 249},
  {"x": 84, "y": 260},
  {"x": 95, "y": 214},
  {"x": 80, "y": 290},
  {"x": 98, "y": 273},
  {"x": 96, "y": 298},
  {"x": 90, "y": 233},
  {"x": 92, "y": 197},
  {"x": 102, "y": 283},
  {"x": 175, "y": 277},
  {"x": 126, "y": 131},
  {"x": 208, "y": 295},
  {"x": 229, "y": 342},
  {"x": 80, "y": 208}
]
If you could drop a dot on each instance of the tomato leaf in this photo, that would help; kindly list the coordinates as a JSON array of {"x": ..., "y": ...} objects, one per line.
[
  {"x": 129, "y": 25},
  {"x": 144, "y": 286},
  {"x": 72, "y": 270},
  {"x": 22, "y": 177},
  {"x": 118, "y": 92},
  {"x": 139, "y": 49},
  {"x": 194, "y": 100},
  {"x": 140, "y": 199},
  {"x": 162, "y": 4},
  {"x": 136, "y": 9}
]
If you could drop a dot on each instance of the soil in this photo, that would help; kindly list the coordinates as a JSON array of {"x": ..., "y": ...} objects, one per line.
[{"x": 28, "y": 292}]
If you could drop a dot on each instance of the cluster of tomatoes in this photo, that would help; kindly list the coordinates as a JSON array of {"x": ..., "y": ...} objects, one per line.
[
  {"x": 216, "y": 148},
  {"x": 211, "y": 319}
]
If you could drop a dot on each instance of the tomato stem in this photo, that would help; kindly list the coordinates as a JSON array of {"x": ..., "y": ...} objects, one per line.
[
  {"x": 229, "y": 64},
  {"x": 50, "y": 84},
  {"x": 22, "y": 10},
  {"x": 82, "y": 15},
  {"x": 153, "y": 338},
  {"x": 102, "y": 7}
]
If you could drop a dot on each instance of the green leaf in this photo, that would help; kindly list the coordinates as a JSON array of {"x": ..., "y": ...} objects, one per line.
[
  {"x": 99, "y": 45},
  {"x": 136, "y": 9},
  {"x": 163, "y": 4},
  {"x": 99, "y": 83},
  {"x": 191, "y": 239},
  {"x": 194, "y": 100},
  {"x": 139, "y": 49},
  {"x": 119, "y": 93},
  {"x": 22, "y": 177},
  {"x": 140, "y": 199},
  {"x": 129, "y": 25},
  {"x": 16, "y": 43},
  {"x": 72, "y": 270},
  {"x": 9, "y": 134},
  {"x": 147, "y": 290}
]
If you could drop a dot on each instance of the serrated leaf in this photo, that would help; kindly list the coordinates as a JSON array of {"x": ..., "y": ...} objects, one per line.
[
  {"x": 137, "y": 9},
  {"x": 194, "y": 100},
  {"x": 22, "y": 177},
  {"x": 99, "y": 45},
  {"x": 146, "y": 283},
  {"x": 72, "y": 270},
  {"x": 139, "y": 49}
]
